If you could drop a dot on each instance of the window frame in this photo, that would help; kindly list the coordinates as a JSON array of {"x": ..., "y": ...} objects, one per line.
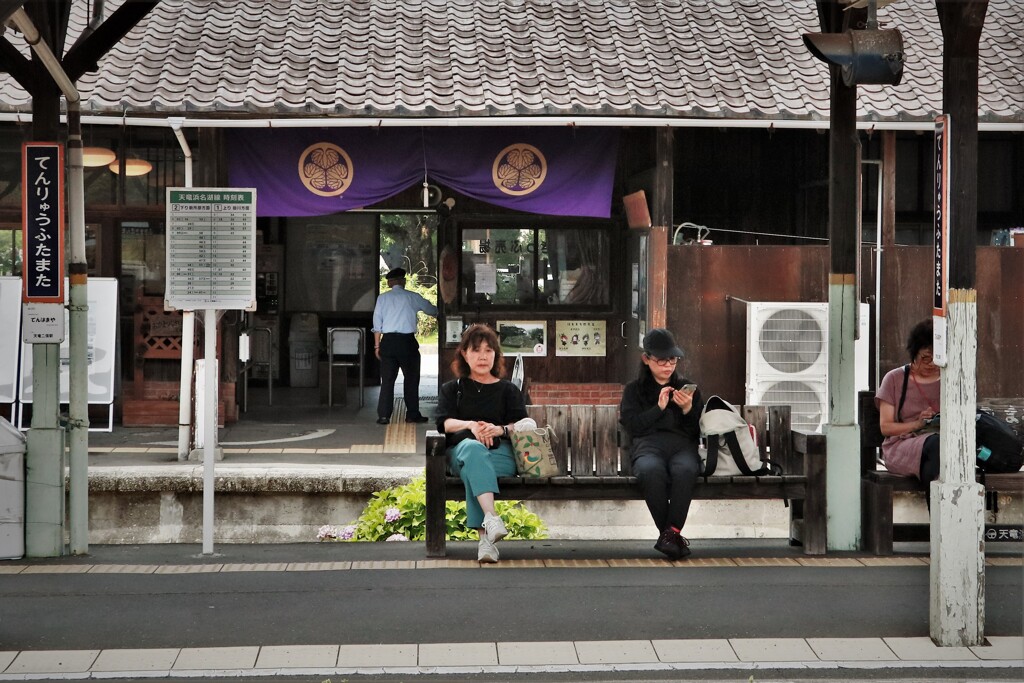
[{"x": 539, "y": 305}]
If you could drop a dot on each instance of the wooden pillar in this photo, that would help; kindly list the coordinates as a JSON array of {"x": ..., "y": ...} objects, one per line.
[
  {"x": 957, "y": 586},
  {"x": 888, "y": 172},
  {"x": 844, "y": 499},
  {"x": 661, "y": 230}
]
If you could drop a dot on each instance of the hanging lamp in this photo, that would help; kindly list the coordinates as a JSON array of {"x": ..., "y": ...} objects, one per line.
[
  {"x": 93, "y": 157},
  {"x": 132, "y": 167}
]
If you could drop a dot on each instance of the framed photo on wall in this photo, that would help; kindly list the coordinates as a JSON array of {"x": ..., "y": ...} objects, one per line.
[{"x": 523, "y": 337}]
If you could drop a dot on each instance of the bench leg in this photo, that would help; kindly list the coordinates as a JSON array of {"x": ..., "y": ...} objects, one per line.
[
  {"x": 436, "y": 496},
  {"x": 815, "y": 507},
  {"x": 876, "y": 517},
  {"x": 796, "y": 522}
]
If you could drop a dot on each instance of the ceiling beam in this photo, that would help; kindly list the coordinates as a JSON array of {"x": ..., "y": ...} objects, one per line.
[{"x": 85, "y": 54}]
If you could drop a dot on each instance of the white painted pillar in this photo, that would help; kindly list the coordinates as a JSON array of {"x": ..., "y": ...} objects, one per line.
[
  {"x": 843, "y": 434},
  {"x": 210, "y": 425},
  {"x": 957, "y": 587}
]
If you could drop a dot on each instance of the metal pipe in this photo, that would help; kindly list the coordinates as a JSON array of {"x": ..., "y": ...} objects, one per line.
[
  {"x": 496, "y": 121},
  {"x": 188, "y": 329},
  {"x": 878, "y": 272},
  {"x": 176, "y": 124},
  {"x": 78, "y": 309}
]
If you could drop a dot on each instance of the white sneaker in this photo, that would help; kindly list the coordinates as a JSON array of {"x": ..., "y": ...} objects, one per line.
[
  {"x": 494, "y": 528},
  {"x": 487, "y": 552}
]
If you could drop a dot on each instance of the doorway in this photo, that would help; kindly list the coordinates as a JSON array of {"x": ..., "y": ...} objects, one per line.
[
  {"x": 408, "y": 240},
  {"x": 327, "y": 273}
]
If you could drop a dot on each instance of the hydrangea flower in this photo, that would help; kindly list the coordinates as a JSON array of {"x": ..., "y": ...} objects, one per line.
[
  {"x": 392, "y": 514},
  {"x": 326, "y": 533},
  {"x": 396, "y": 537},
  {"x": 347, "y": 533}
]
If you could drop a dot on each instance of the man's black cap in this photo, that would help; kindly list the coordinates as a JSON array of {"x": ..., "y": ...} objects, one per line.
[
  {"x": 659, "y": 343},
  {"x": 395, "y": 274}
]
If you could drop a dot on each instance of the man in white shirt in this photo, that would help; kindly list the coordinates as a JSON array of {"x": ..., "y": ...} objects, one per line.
[{"x": 395, "y": 345}]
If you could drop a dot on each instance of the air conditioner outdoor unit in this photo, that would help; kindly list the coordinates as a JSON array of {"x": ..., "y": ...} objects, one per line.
[{"x": 787, "y": 358}]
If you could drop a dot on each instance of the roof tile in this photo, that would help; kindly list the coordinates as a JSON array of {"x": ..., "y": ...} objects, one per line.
[{"x": 517, "y": 57}]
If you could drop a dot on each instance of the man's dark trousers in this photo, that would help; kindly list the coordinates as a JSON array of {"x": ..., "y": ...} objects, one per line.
[{"x": 399, "y": 351}]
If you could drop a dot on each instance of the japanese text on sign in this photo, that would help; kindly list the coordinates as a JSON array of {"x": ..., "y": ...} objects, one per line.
[
  {"x": 211, "y": 249},
  {"x": 43, "y": 227}
]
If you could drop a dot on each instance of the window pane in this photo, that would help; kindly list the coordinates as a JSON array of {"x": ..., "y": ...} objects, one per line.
[
  {"x": 142, "y": 257},
  {"x": 575, "y": 267},
  {"x": 497, "y": 266},
  {"x": 10, "y": 251}
]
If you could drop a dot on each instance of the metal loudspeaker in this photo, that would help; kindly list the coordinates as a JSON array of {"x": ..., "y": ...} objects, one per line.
[{"x": 867, "y": 56}]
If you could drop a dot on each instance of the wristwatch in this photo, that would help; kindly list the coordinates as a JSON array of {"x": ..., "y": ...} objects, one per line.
[{"x": 504, "y": 431}]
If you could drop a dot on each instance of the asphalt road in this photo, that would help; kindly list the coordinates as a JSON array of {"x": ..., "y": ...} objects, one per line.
[{"x": 82, "y": 611}]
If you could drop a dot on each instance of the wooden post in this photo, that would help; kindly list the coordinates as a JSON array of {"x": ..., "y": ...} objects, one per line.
[
  {"x": 843, "y": 436},
  {"x": 957, "y": 588},
  {"x": 661, "y": 230}
]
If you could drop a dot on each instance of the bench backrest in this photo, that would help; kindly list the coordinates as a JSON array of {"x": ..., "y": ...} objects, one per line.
[{"x": 590, "y": 440}]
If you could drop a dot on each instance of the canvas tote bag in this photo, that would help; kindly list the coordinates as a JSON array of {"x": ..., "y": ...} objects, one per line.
[{"x": 534, "y": 455}]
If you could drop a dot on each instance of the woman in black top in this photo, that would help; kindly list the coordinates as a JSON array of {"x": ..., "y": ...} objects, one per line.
[
  {"x": 661, "y": 411},
  {"x": 476, "y": 412}
]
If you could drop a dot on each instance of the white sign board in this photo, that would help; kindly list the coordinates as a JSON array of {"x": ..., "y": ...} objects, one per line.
[
  {"x": 101, "y": 352},
  {"x": 42, "y": 323},
  {"x": 10, "y": 336},
  {"x": 211, "y": 249}
]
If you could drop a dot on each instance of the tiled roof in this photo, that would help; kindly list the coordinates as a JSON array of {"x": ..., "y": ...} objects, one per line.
[{"x": 399, "y": 58}]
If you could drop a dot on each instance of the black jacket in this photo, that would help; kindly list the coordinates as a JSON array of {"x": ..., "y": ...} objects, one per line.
[{"x": 640, "y": 415}]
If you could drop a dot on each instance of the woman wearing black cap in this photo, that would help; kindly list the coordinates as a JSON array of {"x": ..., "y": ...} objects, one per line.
[{"x": 661, "y": 411}]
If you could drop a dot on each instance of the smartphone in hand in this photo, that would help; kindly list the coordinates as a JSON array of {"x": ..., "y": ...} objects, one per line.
[{"x": 689, "y": 388}]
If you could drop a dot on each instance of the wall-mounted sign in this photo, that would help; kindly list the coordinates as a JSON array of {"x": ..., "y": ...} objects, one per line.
[
  {"x": 10, "y": 336},
  {"x": 101, "y": 349},
  {"x": 211, "y": 249},
  {"x": 42, "y": 194},
  {"x": 453, "y": 327},
  {"x": 523, "y": 337},
  {"x": 580, "y": 338}
]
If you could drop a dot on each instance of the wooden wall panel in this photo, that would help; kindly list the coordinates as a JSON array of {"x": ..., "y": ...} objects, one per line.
[{"x": 706, "y": 286}]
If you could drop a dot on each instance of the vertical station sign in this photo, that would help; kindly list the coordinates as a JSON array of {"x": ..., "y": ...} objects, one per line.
[
  {"x": 940, "y": 289},
  {"x": 211, "y": 249},
  {"x": 42, "y": 194}
]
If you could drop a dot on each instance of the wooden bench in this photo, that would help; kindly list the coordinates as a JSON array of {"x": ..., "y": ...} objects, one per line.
[
  {"x": 878, "y": 486},
  {"x": 595, "y": 449}
]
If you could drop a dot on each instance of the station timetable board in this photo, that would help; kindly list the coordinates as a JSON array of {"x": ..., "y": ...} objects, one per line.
[{"x": 211, "y": 249}]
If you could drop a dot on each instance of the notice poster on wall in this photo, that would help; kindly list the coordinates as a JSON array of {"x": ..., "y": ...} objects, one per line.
[
  {"x": 580, "y": 338},
  {"x": 523, "y": 337},
  {"x": 10, "y": 336},
  {"x": 100, "y": 351}
]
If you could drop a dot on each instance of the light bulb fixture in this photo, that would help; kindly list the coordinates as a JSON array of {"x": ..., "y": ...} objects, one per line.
[
  {"x": 132, "y": 167},
  {"x": 97, "y": 156}
]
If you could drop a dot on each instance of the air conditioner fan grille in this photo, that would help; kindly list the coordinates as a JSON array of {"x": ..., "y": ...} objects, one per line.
[
  {"x": 803, "y": 398},
  {"x": 791, "y": 341}
]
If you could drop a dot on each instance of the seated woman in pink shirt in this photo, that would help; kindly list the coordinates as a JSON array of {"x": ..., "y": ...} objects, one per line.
[{"x": 907, "y": 399}]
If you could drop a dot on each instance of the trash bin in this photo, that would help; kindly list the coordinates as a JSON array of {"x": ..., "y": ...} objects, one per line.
[
  {"x": 12, "y": 492},
  {"x": 304, "y": 349}
]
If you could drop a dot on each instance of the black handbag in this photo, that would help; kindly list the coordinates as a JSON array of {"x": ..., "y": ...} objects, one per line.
[{"x": 1000, "y": 450}]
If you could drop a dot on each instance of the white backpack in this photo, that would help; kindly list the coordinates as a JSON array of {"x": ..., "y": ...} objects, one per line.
[{"x": 731, "y": 445}]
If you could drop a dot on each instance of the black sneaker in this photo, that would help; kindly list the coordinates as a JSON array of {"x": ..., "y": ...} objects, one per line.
[
  {"x": 418, "y": 420},
  {"x": 672, "y": 545},
  {"x": 383, "y": 420}
]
